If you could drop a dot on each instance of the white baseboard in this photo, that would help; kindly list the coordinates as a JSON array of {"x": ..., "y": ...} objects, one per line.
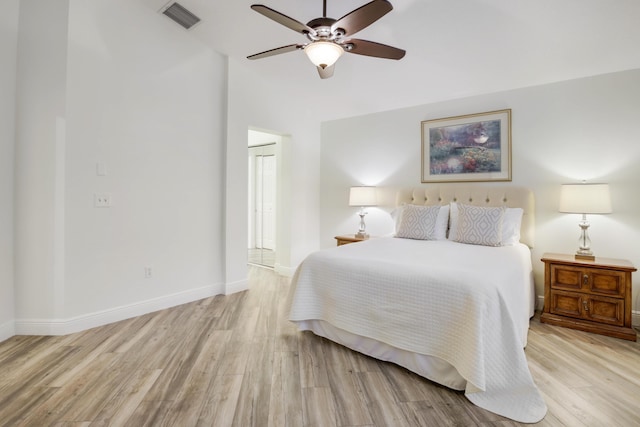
[
  {"x": 104, "y": 317},
  {"x": 7, "y": 330},
  {"x": 239, "y": 286},
  {"x": 635, "y": 315}
]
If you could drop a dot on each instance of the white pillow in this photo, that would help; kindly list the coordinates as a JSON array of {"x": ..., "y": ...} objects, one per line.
[
  {"x": 442, "y": 222},
  {"x": 511, "y": 224},
  {"x": 422, "y": 222},
  {"x": 453, "y": 221},
  {"x": 478, "y": 225}
]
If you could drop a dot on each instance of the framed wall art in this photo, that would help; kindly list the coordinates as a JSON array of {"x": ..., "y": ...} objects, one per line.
[{"x": 474, "y": 147}]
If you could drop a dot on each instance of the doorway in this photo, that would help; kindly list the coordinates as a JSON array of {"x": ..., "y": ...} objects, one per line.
[{"x": 262, "y": 169}]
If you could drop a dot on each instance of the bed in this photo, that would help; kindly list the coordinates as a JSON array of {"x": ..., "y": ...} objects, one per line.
[{"x": 449, "y": 302}]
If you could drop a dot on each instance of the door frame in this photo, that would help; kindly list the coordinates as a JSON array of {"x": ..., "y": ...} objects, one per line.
[{"x": 257, "y": 136}]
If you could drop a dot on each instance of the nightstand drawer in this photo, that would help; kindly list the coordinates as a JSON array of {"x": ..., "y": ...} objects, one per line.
[
  {"x": 605, "y": 310},
  {"x": 592, "y": 280},
  {"x": 607, "y": 282},
  {"x": 566, "y": 303},
  {"x": 589, "y": 307}
]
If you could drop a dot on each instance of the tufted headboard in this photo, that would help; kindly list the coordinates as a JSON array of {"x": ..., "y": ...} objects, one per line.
[{"x": 477, "y": 195}]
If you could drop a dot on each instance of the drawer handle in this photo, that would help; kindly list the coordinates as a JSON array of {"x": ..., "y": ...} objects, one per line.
[
  {"x": 585, "y": 305},
  {"x": 585, "y": 279}
]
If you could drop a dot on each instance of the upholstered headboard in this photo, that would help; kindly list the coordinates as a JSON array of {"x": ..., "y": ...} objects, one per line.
[{"x": 477, "y": 195}]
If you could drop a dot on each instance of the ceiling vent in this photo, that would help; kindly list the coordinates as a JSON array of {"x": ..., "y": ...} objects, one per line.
[{"x": 180, "y": 15}]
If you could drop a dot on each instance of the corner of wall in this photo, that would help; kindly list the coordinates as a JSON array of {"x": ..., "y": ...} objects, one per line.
[
  {"x": 284, "y": 270},
  {"x": 7, "y": 330}
]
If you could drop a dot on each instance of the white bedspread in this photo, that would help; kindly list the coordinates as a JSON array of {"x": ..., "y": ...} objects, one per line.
[{"x": 464, "y": 304}]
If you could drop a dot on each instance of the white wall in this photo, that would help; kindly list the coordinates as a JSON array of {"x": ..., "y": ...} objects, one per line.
[
  {"x": 563, "y": 132},
  {"x": 135, "y": 92},
  {"x": 8, "y": 52}
]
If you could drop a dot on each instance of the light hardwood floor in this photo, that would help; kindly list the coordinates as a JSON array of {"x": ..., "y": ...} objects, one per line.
[{"x": 236, "y": 361}]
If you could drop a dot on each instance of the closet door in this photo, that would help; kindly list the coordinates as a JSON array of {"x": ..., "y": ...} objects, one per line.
[{"x": 262, "y": 204}]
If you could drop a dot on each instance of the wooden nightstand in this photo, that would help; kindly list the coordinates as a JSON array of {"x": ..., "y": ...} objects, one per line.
[
  {"x": 592, "y": 296},
  {"x": 349, "y": 238}
]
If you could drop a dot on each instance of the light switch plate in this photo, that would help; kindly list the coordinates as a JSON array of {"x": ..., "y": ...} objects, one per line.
[{"x": 101, "y": 169}]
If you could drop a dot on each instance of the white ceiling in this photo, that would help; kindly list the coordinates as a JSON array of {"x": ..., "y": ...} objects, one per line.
[{"x": 455, "y": 48}]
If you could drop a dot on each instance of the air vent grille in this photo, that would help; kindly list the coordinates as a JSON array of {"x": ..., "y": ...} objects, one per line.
[{"x": 181, "y": 15}]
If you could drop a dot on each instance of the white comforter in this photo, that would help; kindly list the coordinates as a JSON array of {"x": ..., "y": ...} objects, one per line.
[{"x": 464, "y": 304}]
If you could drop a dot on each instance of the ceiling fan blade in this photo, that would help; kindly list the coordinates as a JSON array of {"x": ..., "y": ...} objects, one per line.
[
  {"x": 283, "y": 19},
  {"x": 362, "y": 17},
  {"x": 326, "y": 72},
  {"x": 379, "y": 50},
  {"x": 276, "y": 51}
]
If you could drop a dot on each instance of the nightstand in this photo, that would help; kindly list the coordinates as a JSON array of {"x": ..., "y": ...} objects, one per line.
[
  {"x": 349, "y": 238},
  {"x": 592, "y": 296}
]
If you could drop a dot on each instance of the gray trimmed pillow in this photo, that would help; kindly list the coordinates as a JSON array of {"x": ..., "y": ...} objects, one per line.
[
  {"x": 511, "y": 224},
  {"x": 419, "y": 222},
  {"x": 479, "y": 225}
]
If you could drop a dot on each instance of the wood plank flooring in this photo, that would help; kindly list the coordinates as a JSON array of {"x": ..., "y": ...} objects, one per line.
[{"x": 236, "y": 361}]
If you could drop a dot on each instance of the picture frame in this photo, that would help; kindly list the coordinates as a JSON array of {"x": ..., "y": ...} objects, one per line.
[{"x": 472, "y": 147}]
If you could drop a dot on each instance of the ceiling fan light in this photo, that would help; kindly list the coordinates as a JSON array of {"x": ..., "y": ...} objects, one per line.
[{"x": 323, "y": 54}]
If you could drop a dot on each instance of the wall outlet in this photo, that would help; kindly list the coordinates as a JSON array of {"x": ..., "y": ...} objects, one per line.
[
  {"x": 102, "y": 200},
  {"x": 148, "y": 273}
]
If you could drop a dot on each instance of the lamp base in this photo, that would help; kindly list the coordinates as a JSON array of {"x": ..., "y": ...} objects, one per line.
[{"x": 584, "y": 242}]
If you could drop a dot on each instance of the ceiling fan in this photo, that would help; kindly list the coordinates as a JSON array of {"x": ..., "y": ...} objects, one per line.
[{"x": 330, "y": 38}]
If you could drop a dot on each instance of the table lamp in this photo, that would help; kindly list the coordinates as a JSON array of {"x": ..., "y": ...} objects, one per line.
[
  {"x": 585, "y": 199},
  {"x": 362, "y": 196}
]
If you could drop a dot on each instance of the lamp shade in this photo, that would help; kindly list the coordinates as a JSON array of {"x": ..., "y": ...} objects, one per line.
[
  {"x": 585, "y": 198},
  {"x": 363, "y": 196},
  {"x": 323, "y": 54}
]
